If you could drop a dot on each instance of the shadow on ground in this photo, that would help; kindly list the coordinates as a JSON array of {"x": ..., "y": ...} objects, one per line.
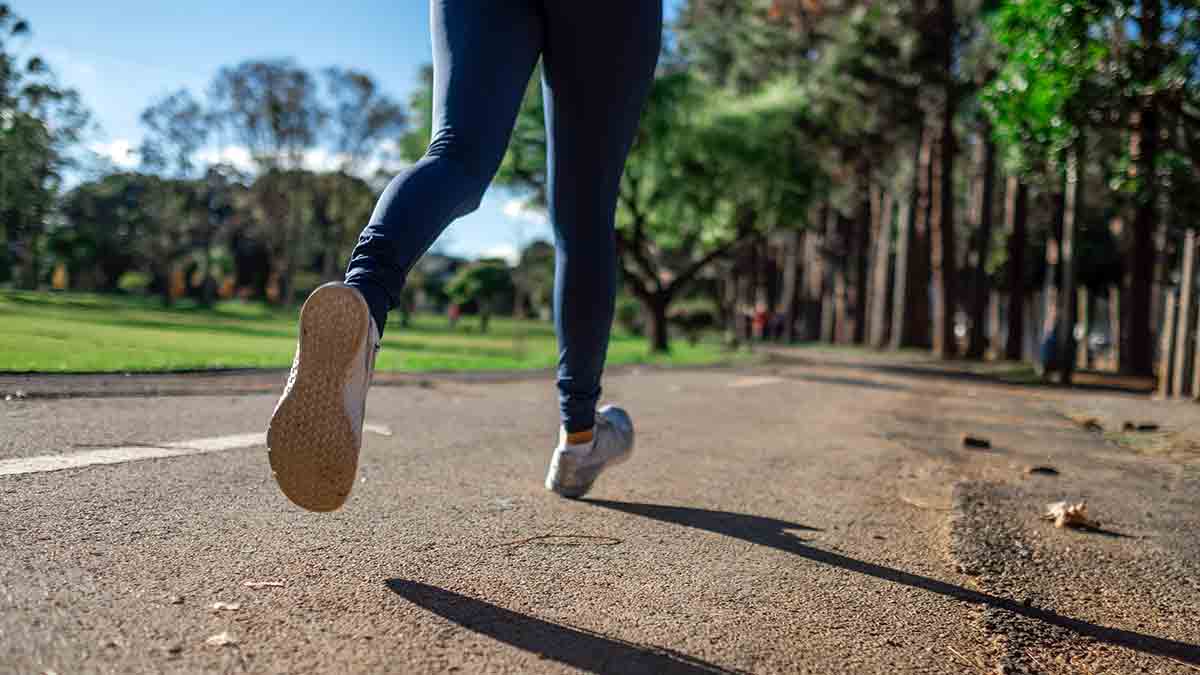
[
  {"x": 774, "y": 533},
  {"x": 575, "y": 647}
]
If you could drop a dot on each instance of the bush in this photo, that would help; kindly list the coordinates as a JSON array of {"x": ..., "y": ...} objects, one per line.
[{"x": 134, "y": 282}]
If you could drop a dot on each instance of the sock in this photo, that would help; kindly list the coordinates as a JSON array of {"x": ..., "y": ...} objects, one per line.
[{"x": 581, "y": 437}]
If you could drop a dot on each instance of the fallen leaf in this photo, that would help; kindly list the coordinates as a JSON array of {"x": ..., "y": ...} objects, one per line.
[
  {"x": 227, "y": 606},
  {"x": 1086, "y": 421},
  {"x": 1066, "y": 514},
  {"x": 263, "y": 584},
  {"x": 222, "y": 639}
]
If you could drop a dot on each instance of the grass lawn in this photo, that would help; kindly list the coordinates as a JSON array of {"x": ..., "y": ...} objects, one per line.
[{"x": 76, "y": 332}]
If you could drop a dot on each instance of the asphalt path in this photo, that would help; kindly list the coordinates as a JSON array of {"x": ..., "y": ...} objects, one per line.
[{"x": 806, "y": 517}]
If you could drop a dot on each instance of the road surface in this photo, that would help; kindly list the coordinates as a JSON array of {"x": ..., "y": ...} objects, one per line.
[{"x": 817, "y": 515}]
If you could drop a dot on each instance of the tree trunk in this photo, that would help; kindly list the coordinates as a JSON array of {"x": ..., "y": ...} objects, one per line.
[
  {"x": 1166, "y": 348},
  {"x": 1186, "y": 321},
  {"x": 1114, "y": 324},
  {"x": 861, "y": 253},
  {"x": 1140, "y": 356},
  {"x": 844, "y": 327},
  {"x": 881, "y": 265},
  {"x": 656, "y": 310},
  {"x": 1072, "y": 205},
  {"x": 994, "y": 324},
  {"x": 917, "y": 328},
  {"x": 791, "y": 264},
  {"x": 829, "y": 312},
  {"x": 977, "y": 345},
  {"x": 485, "y": 316},
  {"x": 945, "y": 273},
  {"x": 208, "y": 293},
  {"x": 165, "y": 290},
  {"x": 1017, "y": 196},
  {"x": 814, "y": 282},
  {"x": 904, "y": 229}
]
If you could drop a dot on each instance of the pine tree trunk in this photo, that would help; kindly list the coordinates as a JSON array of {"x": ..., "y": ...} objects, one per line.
[
  {"x": 917, "y": 313},
  {"x": 861, "y": 254},
  {"x": 1072, "y": 205},
  {"x": 1186, "y": 320},
  {"x": 942, "y": 249},
  {"x": 814, "y": 284},
  {"x": 880, "y": 292},
  {"x": 844, "y": 320},
  {"x": 829, "y": 311},
  {"x": 945, "y": 269},
  {"x": 1017, "y": 196},
  {"x": 791, "y": 279},
  {"x": 1140, "y": 356},
  {"x": 977, "y": 345},
  {"x": 904, "y": 229}
]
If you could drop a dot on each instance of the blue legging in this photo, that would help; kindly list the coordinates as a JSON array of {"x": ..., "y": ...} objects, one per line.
[{"x": 598, "y": 61}]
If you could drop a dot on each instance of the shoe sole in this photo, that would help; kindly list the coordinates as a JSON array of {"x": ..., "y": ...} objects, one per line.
[{"x": 311, "y": 442}]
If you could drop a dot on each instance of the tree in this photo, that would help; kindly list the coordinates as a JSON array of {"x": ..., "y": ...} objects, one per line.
[
  {"x": 105, "y": 221},
  {"x": 273, "y": 109},
  {"x": 486, "y": 283},
  {"x": 534, "y": 275},
  {"x": 40, "y": 122},
  {"x": 360, "y": 117},
  {"x": 177, "y": 126},
  {"x": 1069, "y": 70}
]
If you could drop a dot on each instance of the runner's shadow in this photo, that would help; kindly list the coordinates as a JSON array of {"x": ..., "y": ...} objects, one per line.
[
  {"x": 772, "y": 533},
  {"x": 575, "y": 647}
]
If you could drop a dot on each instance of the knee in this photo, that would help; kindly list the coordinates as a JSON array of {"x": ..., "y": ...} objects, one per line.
[{"x": 472, "y": 166}]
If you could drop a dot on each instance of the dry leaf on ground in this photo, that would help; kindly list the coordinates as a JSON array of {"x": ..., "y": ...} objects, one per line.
[{"x": 1066, "y": 514}]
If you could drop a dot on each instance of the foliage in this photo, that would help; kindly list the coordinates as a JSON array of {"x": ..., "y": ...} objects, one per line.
[
  {"x": 487, "y": 283},
  {"x": 40, "y": 123}
]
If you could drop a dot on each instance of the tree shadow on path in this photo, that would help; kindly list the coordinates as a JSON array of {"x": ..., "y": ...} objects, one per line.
[
  {"x": 575, "y": 647},
  {"x": 772, "y": 533}
]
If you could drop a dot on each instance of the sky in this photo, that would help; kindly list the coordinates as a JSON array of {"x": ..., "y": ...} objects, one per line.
[{"x": 122, "y": 54}]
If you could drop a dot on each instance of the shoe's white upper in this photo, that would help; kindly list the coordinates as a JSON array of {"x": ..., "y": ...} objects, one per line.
[
  {"x": 574, "y": 468},
  {"x": 363, "y": 369}
]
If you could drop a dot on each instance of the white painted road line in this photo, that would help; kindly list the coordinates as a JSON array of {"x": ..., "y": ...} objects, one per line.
[{"x": 134, "y": 453}]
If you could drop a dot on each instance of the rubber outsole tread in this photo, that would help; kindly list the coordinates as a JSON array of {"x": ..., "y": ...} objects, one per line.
[{"x": 311, "y": 441}]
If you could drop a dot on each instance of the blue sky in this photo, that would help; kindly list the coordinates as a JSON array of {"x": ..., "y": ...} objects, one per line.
[{"x": 122, "y": 54}]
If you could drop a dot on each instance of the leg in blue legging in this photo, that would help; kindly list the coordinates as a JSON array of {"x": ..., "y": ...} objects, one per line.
[
  {"x": 599, "y": 61},
  {"x": 597, "y": 67},
  {"x": 483, "y": 56}
]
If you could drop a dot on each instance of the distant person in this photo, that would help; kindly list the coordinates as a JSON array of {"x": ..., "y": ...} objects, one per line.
[{"x": 598, "y": 61}]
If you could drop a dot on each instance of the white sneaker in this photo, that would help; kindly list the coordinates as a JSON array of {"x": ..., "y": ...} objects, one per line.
[
  {"x": 315, "y": 434},
  {"x": 574, "y": 468}
]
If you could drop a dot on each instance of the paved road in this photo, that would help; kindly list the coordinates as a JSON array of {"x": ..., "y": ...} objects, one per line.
[{"x": 808, "y": 517}]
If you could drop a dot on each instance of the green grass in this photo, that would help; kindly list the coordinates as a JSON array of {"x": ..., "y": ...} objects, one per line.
[{"x": 76, "y": 332}]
